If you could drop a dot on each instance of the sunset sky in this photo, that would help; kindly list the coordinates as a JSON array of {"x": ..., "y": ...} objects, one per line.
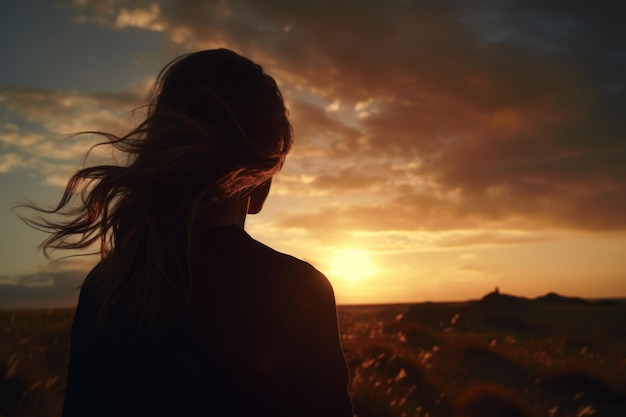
[{"x": 442, "y": 148}]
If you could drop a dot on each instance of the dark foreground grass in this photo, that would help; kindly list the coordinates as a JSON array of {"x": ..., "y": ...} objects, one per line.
[
  {"x": 34, "y": 352},
  {"x": 499, "y": 357}
]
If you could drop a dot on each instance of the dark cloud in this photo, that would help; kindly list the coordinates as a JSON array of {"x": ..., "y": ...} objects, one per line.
[
  {"x": 318, "y": 133},
  {"x": 517, "y": 108},
  {"x": 61, "y": 109},
  {"x": 41, "y": 290}
]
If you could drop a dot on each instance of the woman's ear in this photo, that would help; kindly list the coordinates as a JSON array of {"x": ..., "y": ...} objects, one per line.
[{"x": 257, "y": 197}]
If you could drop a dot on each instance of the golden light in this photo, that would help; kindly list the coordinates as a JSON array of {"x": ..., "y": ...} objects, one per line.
[{"x": 351, "y": 265}]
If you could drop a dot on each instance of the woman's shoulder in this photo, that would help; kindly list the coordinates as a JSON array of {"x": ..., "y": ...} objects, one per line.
[
  {"x": 236, "y": 240},
  {"x": 232, "y": 246}
]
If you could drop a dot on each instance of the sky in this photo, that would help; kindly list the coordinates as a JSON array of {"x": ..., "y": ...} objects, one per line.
[{"x": 442, "y": 148}]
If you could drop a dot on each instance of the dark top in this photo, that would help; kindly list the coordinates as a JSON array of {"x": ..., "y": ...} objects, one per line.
[{"x": 260, "y": 338}]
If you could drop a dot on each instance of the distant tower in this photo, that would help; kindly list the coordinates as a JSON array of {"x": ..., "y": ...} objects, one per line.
[{"x": 497, "y": 290}]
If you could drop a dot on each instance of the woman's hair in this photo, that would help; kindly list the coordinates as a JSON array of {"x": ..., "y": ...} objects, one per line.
[{"x": 216, "y": 128}]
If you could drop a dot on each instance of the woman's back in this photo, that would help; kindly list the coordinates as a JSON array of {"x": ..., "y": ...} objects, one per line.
[
  {"x": 259, "y": 337},
  {"x": 186, "y": 314}
]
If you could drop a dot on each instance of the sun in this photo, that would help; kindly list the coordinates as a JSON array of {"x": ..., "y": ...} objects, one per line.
[{"x": 351, "y": 265}]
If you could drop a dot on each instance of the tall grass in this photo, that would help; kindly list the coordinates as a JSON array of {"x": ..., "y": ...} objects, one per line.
[{"x": 435, "y": 360}]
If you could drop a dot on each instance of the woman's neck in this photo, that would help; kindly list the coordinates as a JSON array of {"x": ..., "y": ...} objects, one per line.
[{"x": 225, "y": 213}]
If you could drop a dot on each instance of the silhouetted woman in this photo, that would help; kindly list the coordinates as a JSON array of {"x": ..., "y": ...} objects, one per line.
[{"x": 186, "y": 314}]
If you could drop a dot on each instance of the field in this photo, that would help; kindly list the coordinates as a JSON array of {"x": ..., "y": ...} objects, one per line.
[{"x": 498, "y": 356}]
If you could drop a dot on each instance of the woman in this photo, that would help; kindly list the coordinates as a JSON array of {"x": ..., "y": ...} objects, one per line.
[{"x": 186, "y": 314}]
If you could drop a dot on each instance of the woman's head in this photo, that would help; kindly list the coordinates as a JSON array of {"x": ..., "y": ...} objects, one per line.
[
  {"x": 217, "y": 126},
  {"x": 216, "y": 131}
]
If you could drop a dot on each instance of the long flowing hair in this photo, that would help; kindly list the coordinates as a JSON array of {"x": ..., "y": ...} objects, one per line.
[{"x": 216, "y": 128}]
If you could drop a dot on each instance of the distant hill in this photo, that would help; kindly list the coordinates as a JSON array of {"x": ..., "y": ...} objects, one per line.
[
  {"x": 500, "y": 301},
  {"x": 496, "y": 299},
  {"x": 554, "y": 298}
]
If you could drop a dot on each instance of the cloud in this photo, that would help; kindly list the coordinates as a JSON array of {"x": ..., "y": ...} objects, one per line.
[
  {"x": 384, "y": 234},
  {"x": 508, "y": 116},
  {"x": 517, "y": 112},
  {"x": 67, "y": 112},
  {"x": 37, "y": 138},
  {"x": 50, "y": 289},
  {"x": 348, "y": 179},
  {"x": 319, "y": 133},
  {"x": 144, "y": 18},
  {"x": 10, "y": 161},
  {"x": 422, "y": 213}
]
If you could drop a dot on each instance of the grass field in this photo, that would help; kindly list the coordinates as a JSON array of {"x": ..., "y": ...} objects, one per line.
[{"x": 500, "y": 356}]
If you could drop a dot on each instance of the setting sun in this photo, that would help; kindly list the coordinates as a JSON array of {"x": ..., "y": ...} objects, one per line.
[{"x": 351, "y": 265}]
